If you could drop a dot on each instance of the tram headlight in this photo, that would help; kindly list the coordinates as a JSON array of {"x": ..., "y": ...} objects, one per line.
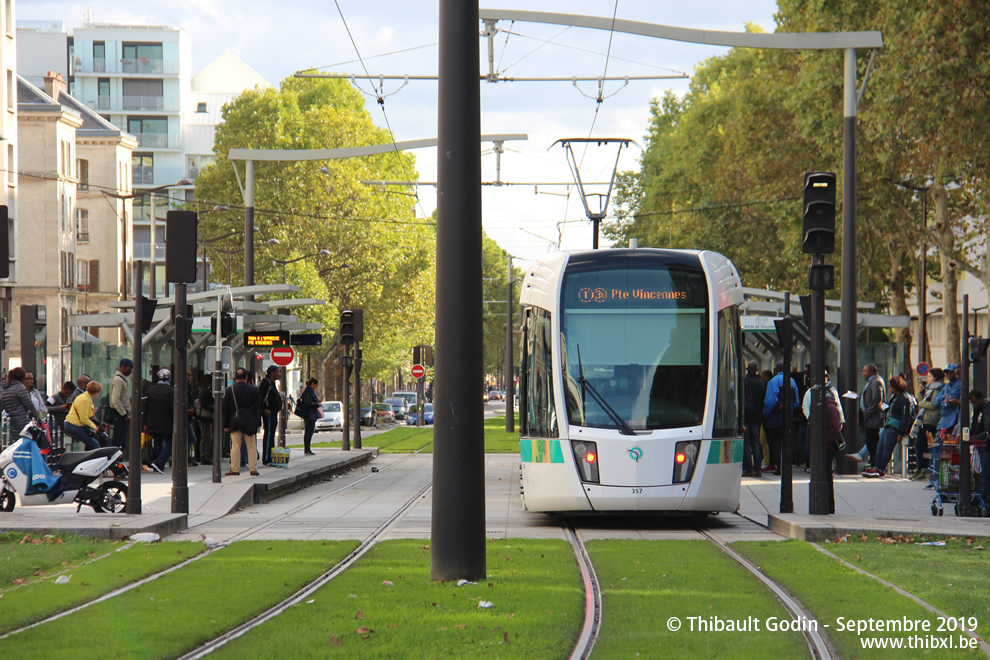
[
  {"x": 685, "y": 458},
  {"x": 586, "y": 458}
]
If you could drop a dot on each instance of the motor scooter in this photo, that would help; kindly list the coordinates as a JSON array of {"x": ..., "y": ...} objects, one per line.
[{"x": 24, "y": 472}]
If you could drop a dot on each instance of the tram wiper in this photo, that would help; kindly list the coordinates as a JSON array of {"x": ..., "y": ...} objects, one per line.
[{"x": 586, "y": 385}]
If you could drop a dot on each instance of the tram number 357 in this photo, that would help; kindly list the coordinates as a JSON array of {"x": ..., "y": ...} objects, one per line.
[{"x": 637, "y": 491}]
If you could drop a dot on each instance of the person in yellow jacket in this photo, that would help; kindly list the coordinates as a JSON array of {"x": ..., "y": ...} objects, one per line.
[{"x": 79, "y": 422}]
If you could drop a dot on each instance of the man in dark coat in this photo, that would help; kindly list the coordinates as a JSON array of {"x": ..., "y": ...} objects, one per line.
[
  {"x": 271, "y": 404},
  {"x": 755, "y": 391},
  {"x": 159, "y": 403},
  {"x": 874, "y": 394},
  {"x": 242, "y": 396}
]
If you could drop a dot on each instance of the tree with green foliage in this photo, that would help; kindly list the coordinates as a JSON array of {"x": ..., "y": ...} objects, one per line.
[
  {"x": 382, "y": 258},
  {"x": 495, "y": 271}
]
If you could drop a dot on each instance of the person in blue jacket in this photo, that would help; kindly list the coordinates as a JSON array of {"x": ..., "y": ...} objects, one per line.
[
  {"x": 948, "y": 398},
  {"x": 773, "y": 415}
]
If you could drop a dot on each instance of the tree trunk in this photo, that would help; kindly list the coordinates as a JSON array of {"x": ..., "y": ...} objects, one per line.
[
  {"x": 898, "y": 307},
  {"x": 946, "y": 239}
]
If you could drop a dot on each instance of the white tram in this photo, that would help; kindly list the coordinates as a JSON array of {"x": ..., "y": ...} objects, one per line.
[{"x": 630, "y": 392}]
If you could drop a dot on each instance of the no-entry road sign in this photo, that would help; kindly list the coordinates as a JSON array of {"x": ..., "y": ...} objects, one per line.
[
  {"x": 283, "y": 356},
  {"x": 418, "y": 371}
]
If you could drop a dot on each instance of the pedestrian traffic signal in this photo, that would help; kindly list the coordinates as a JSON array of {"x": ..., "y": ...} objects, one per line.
[{"x": 818, "y": 226}]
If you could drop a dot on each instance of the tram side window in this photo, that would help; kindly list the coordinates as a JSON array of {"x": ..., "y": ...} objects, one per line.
[
  {"x": 541, "y": 415},
  {"x": 728, "y": 397}
]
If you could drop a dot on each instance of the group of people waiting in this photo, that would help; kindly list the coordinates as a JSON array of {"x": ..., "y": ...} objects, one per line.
[
  {"x": 887, "y": 417},
  {"x": 75, "y": 410}
]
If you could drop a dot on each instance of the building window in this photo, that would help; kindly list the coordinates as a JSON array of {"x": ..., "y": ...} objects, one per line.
[
  {"x": 142, "y": 57},
  {"x": 103, "y": 92},
  {"x": 82, "y": 172},
  {"x": 82, "y": 225},
  {"x": 143, "y": 94},
  {"x": 151, "y": 132},
  {"x": 143, "y": 169},
  {"x": 82, "y": 274},
  {"x": 200, "y": 107},
  {"x": 99, "y": 56}
]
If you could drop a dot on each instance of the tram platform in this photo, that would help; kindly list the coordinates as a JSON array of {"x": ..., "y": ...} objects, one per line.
[
  {"x": 890, "y": 504},
  {"x": 207, "y": 500}
]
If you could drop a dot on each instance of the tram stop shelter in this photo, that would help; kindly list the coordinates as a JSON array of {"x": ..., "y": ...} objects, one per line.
[
  {"x": 761, "y": 307},
  {"x": 253, "y": 316}
]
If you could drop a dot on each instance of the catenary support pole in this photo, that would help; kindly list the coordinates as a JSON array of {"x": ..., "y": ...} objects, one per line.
[
  {"x": 458, "y": 527},
  {"x": 787, "y": 431},
  {"x": 849, "y": 331},
  {"x": 965, "y": 466},
  {"x": 249, "y": 225}
]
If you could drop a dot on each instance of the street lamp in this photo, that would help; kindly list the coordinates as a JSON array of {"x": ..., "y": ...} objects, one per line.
[
  {"x": 274, "y": 241},
  {"x": 154, "y": 226}
]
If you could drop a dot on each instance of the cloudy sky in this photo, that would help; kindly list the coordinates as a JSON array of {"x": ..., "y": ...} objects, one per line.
[{"x": 400, "y": 37}]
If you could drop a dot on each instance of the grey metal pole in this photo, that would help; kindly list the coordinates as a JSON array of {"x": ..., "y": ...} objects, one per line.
[
  {"x": 249, "y": 225},
  {"x": 510, "y": 386},
  {"x": 218, "y": 383},
  {"x": 849, "y": 331},
  {"x": 345, "y": 444},
  {"x": 923, "y": 287},
  {"x": 818, "y": 494},
  {"x": 134, "y": 431},
  {"x": 180, "y": 415},
  {"x": 153, "y": 275},
  {"x": 458, "y": 523}
]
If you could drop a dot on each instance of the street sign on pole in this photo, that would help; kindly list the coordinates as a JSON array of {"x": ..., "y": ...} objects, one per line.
[
  {"x": 417, "y": 371},
  {"x": 283, "y": 356}
]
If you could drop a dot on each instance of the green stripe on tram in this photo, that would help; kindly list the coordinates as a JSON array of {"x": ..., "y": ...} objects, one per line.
[
  {"x": 729, "y": 450},
  {"x": 540, "y": 450}
]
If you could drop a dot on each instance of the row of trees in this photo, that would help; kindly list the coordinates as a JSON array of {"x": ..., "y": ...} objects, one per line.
[
  {"x": 723, "y": 165},
  {"x": 382, "y": 257}
]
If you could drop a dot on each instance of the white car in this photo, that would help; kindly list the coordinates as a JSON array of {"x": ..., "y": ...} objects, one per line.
[{"x": 333, "y": 416}]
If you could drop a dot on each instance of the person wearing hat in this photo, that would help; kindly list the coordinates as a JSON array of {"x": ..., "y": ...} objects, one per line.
[
  {"x": 159, "y": 405},
  {"x": 120, "y": 402},
  {"x": 271, "y": 404},
  {"x": 948, "y": 398}
]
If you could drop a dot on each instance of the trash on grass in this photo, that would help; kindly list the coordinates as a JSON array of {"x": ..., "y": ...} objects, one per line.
[
  {"x": 388, "y": 583},
  {"x": 145, "y": 537},
  {"x": 62, "y": 579},
  {"x": 487, "y": 604},
  {"x": 938, "y": 543},
  {"x": 462, "y": 582}
]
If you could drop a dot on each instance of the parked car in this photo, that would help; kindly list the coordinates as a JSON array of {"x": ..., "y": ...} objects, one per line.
[
  {"x": 399, "y": 407},
  {"x": 368, "y": 415},
  {"x": 407, "y": 396},
  {"x": 333, "y": 416},
  {"x": 414, "y": 413},
  {"x": 385, "y": 414}
]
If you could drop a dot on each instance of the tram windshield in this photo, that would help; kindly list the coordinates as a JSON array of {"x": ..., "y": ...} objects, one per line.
[{"x": 635, "y": 346}]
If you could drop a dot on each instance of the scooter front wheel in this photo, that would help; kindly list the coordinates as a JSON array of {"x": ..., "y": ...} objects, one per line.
[
  {"x": 113, "y": 498},
  {"x": 7, "y": 500}
]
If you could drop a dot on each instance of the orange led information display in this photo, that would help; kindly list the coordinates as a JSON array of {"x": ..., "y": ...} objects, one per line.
[
  {"x": 602, "y": 294},
  {"x": 278, "y": 339}
]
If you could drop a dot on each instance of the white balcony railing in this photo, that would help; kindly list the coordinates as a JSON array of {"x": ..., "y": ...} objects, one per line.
[{"x": 157, "y": 141}]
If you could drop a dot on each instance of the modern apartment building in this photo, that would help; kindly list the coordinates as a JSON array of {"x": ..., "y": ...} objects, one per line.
[{"x": 139, "y": 78}]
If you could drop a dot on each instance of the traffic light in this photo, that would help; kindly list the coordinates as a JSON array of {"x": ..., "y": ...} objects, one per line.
[
  {"x": 977, "y": 348},
  {"x": 347, "y": 327},
  {"x": 228, "y": 324},
  {"x": 818, "y": 226}
]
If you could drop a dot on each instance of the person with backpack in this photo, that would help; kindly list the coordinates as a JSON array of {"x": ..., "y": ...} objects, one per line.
[
  {"x": 754, "y": 392},
  {"x": 241, "y": 418},
  {"x": 773, "y": 415},
  {"x": 119, "y": 404},
  {"x": 159, "y": 414}
]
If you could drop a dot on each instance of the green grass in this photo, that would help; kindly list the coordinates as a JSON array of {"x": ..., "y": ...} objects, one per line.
[
  {"x": 953, "y": 577},
  {"x": 25, "y": 556},
  {"x": 187, "y": 608},
  {"x": 43, "y": 597},
  {"x": 645, "y": 583},
  {"x": 534, "y": 585},
  {"x": 405, "y": 439},
  {"x": 831, "y": 590}
]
